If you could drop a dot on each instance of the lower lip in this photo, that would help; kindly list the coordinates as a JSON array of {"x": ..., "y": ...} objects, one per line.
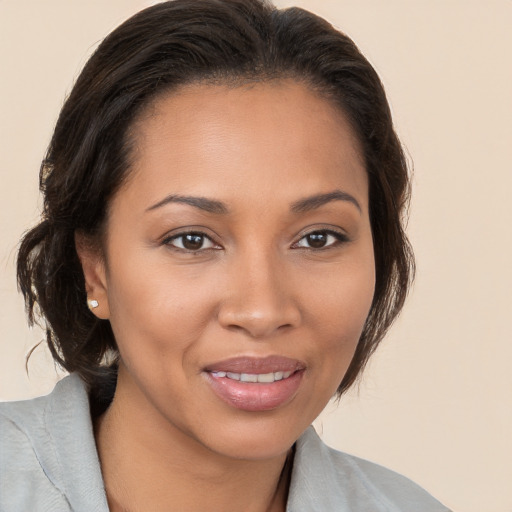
[{"x": 254, "y": 397}]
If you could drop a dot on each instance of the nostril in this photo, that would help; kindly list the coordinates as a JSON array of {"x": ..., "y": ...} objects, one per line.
[{"x": 257, "y": 324}]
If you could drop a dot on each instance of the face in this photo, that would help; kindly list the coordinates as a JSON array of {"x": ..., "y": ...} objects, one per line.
[{"x": 239, "y": 265}]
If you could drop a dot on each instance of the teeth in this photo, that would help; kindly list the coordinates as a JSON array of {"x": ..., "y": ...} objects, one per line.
[
  {"x": 266, "y": 377},
  {"x": 249, "y": 377},
  {"x": 254, "y": 377}
]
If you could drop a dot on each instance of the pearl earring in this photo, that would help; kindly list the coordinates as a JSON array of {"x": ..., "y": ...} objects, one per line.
[{"x": 93, "y": 304}]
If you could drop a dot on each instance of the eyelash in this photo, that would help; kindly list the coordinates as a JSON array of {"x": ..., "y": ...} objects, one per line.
[
  {"x": 339, "y": 238},
  {"x": 168, "y": 241}
]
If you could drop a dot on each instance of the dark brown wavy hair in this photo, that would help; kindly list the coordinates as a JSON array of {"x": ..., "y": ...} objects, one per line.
[{"x": 159, "y": 49}]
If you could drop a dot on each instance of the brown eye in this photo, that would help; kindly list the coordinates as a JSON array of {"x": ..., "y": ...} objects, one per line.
[
  {"x": 317, "y": 240},
  {"x": 191, "y": 242},
  {"x": 320, "y": 240}
]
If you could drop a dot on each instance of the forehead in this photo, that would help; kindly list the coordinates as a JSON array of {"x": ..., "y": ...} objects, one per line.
[{"x": 257, "y": 138}]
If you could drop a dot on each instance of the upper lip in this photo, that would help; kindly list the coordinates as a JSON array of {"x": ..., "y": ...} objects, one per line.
[{"x": 256, "y": 365}]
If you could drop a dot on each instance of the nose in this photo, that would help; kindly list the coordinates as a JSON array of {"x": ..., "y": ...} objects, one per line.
[{"x": 258, "y": 297}]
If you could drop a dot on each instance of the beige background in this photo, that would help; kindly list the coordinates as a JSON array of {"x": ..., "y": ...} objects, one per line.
[{"x": 436, "y": 402}]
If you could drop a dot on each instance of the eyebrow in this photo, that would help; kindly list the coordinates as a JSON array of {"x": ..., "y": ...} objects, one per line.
[
  {"x": 217, "y": 207},
  {"x": 208, "y": 205},
  {"x": 313, "y": 202}
]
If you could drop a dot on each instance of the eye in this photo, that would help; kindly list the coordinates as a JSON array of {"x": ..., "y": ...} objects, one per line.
[
  {"x": 192, "y": 242},
  {"x": 322, "y": 239}
]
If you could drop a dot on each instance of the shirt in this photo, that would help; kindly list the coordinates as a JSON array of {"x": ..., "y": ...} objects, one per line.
[{"x": 49, "y": 463}]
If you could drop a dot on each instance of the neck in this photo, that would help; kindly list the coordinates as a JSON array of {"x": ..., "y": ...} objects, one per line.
[{"x": 147, "y": 465}]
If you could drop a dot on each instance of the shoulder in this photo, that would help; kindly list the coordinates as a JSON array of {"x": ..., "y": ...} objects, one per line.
[
  {"x": 28, "y": 425},
  {"x": 326, "y": 479},
  {"x": 40, "y": 444},
  {"x": 23, "y": 463}
]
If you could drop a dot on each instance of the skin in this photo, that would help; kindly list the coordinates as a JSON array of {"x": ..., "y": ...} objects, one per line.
[{"x": 256, "y": 287}]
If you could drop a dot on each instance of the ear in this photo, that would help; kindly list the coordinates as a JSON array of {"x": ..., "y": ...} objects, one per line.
[{"x": 95, "y": 275}]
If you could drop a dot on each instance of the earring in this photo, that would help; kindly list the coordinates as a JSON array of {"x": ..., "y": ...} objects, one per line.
[{"x": 92, "y": 304}]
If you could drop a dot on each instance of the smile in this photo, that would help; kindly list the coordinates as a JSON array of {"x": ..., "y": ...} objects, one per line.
[
  {"x": 255, "y": 384},
  {"x": 254, "y": 377}
]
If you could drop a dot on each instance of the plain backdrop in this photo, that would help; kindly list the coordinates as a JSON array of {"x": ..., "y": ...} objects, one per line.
[{"x": 436, "y": 401}]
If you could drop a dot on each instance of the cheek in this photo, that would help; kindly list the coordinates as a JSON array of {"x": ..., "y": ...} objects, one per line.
[
  {"x": 335, "y": 314},
  {"x": 339, "y": 302},
  {"x": 157, "y": 306},
  {"x": 337, "y": 310}
]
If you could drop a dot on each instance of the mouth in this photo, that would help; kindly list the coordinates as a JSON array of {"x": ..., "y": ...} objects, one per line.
[
  {"x": 254, "y": 377},
  {"x": 256, "y": 384}
]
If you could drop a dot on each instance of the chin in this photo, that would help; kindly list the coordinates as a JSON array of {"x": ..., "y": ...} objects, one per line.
[
  {"x": 257, "y": 443},
  {"x": 252, "y": 436}
]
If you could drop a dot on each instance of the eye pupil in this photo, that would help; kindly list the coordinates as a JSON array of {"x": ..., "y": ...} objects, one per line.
[
  {"x": 193, "y": 241},
  {"x": 317, "y": 240}
]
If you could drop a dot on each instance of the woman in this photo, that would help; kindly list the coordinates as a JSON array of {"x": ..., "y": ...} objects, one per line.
[{"x": 221, "y": 251}]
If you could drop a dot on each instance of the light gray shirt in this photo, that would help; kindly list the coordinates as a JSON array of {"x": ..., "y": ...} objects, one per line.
[{"x": 49, "y": 463}]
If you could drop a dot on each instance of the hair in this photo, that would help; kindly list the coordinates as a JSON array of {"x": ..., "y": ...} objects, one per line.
[{"x": 164, "y": 47}]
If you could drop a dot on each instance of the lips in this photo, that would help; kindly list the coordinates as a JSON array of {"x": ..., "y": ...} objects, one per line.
[
  {"x": 255, "y": 384},
  {"x": 257, "y": 365}
]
